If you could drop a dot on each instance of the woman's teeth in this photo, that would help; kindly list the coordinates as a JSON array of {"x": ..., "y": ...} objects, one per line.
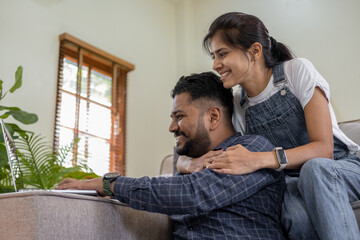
[{"x": 225, "y": 74}]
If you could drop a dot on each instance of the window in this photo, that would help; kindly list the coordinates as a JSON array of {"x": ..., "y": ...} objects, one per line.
[{"x": 90, "y": 106}]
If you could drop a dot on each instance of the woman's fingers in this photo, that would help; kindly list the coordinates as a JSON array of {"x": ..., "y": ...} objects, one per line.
[
  {"x": 211, "y": 156},
  {"x": 219, "y": 165},
  {"x": 220, "y": 161},
  {"x": 225, "y": 171},
  {"x": 232, "y": 161},
  {"x": 235, "y": 147}
]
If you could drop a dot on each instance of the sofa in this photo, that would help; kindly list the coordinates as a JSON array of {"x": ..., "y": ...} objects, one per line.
[
  {"x": 352, "y": 130},
  {"x": 50, "y": 215}
]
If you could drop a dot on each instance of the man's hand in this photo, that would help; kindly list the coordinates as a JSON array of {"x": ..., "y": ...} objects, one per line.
[{"x": 92, "y": 184}]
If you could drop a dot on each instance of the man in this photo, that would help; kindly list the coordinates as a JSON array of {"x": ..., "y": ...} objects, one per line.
[{"x": 205, "y": 204}]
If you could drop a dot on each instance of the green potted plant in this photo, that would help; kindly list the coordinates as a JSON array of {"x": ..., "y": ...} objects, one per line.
[{"x": 41, "y": 166}]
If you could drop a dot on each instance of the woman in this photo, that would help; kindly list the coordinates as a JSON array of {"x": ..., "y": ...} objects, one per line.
[{"x": 287, "y": 101}]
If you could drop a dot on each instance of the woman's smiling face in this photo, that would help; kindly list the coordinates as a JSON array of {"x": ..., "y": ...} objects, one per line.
[{"x": 231, "y": 63}]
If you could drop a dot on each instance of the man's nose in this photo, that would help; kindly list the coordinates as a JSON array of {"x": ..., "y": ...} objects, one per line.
[{"x": 173, "y": 127}]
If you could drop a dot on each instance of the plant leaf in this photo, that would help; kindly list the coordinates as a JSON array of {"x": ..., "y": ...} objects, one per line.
[
  {"x": 23, "y": 117},
  {"x": 16, "y": 128},
  {"x": 18, "y": 79},
  {"x": 5, "y": 180},
  {"x": 33, "y": 153},
  {"x": 11, "y": 131},
  {"x": 4, "y": 116},
  {"x": 80, "y": 174},
  {"x": 1, "y": 90},
  {"x": 13, "y": 128},
  {"x": 9, "y": 108},
  {"x": 40, "y": 166},
  {"x": 3, "y": 156}
]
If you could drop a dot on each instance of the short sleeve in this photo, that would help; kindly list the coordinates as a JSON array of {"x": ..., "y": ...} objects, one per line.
[{"x": 303, "y": 78}]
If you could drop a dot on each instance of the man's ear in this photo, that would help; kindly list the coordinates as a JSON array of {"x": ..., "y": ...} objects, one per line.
[
  {"x": 256, "y": 50},
  {"x": 215, "y": 115}
]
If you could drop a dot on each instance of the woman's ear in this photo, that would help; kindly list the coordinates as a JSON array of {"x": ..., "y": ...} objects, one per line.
[
  {"x": 256, "y": 50},
  {"x": 215, "y": 117}
]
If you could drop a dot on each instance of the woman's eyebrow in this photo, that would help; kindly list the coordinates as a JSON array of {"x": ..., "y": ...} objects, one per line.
[{"x": 218, "y": 50}]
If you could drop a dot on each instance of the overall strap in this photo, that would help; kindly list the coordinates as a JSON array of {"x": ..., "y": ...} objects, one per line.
[
  {"x": 278, "y": 74},
  {"x": 278, "y": 77},
  {"x": 244, "y": 99}
]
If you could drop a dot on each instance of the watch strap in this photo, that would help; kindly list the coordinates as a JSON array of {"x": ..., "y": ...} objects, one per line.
[
  {"x": 106, "y": 188},
  {"x": 108, "y": 178}
]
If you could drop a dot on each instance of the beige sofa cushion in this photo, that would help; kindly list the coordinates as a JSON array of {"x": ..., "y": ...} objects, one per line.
[
  {"x": 48, "y": 215},
  {"x": 356, "y": 208},
  {"x": 351, "y": 130}
]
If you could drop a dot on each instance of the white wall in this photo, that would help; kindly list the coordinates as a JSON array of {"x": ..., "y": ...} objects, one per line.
[
  {"x": 162, "y": 38},
  {"x": 139, "y": 31}
]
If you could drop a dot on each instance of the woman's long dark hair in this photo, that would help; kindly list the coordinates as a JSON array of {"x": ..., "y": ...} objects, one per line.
[{"x": 241, "y": 30}]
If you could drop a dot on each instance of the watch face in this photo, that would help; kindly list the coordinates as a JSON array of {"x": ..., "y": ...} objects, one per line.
[
  {"x": 111, "y": 175},
  {"x": 282, "y": 156}
]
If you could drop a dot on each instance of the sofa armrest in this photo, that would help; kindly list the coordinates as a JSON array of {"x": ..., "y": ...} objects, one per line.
[{"x": 49, "y": 215}]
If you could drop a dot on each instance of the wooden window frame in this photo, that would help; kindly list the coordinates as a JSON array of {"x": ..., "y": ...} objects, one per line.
[{"x": 84, "y": 53}]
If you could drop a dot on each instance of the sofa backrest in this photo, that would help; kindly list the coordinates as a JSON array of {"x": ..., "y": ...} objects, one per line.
[{"x": 352, "y": 130}]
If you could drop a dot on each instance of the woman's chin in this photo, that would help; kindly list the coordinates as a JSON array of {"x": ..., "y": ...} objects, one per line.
[{"x": 228, "y": 84}]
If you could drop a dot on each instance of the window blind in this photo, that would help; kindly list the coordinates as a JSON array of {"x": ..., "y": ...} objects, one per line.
[{"x": 91, "y": 105}]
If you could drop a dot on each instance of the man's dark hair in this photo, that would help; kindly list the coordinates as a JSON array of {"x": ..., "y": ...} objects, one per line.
[{"x": 208, "y": 86}]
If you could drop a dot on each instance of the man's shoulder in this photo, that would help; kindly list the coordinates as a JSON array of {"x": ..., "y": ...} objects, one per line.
[
  {"x": 248, "y": 137},
  {"x": 238, "y": 138},
  {"x": 254, "y": 143}
]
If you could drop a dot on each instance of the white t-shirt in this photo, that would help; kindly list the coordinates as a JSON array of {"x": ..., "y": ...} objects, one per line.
[{"x": 302, "y": 78}]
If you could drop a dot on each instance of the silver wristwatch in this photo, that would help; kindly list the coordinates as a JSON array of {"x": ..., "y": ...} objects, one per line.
[{"x": 281, "y": 157}]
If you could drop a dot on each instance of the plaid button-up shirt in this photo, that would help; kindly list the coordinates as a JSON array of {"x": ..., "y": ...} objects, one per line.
[{"x": 210, "y": 205}]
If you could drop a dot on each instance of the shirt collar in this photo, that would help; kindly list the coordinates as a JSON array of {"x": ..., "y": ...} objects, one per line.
[{"x": 227, "y": 142}]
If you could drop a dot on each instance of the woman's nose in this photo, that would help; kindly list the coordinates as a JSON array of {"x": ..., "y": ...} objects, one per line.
[{"x": 217, "y": 64}]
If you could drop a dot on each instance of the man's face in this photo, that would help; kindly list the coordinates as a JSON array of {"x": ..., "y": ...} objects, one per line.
[{"x": 188, "y": 126}]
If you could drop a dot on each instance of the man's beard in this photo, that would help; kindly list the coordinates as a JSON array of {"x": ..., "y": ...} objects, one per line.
[{"x": 197, "y": 146}]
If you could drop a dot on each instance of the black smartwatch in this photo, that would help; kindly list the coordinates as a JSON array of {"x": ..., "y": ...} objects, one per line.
[
  {"x": 108, "y": 178},
  {"x": 281, "y": 157}
]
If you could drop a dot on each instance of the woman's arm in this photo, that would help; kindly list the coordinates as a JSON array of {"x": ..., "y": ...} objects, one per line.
[
  {"x": 187, "y": 164},
  {"x": 319, "y": 126},
  {"x": 183, "y": 164},
  {"x": 238, "y": 160}
]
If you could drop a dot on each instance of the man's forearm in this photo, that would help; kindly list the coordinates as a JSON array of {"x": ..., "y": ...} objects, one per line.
[{"x": 193, "y": 193}]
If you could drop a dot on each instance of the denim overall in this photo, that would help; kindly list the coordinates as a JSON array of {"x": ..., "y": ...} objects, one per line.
[{"x": 281, "y": 119}]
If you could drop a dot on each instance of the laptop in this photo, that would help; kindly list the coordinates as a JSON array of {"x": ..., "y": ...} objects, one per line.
[{"x": 15, "y": 170}]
